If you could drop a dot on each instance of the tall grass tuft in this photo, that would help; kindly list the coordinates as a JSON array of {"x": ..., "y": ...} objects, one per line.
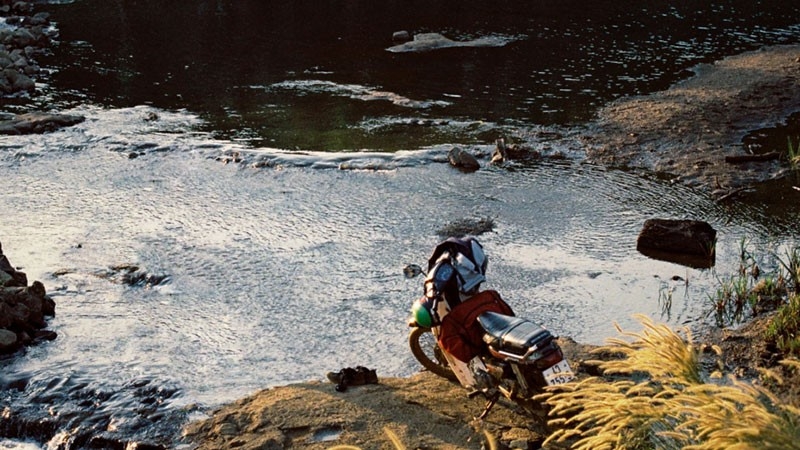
[
  {"x": 792, "y": 266},
  {"x": 657, "y": 396},
  {"x": 752, "y": 290},
  {"x": 784, "y": 330},
  {"x": 793, "y": 152}
]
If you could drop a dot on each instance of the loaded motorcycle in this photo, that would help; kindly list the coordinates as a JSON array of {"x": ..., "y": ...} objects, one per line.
[{"x": 473, "y": 337}]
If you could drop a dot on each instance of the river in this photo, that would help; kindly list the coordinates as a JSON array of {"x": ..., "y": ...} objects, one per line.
[{"x": 277, "y": 167}]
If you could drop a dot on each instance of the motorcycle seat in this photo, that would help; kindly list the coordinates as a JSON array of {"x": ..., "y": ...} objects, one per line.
[{"x": 512, "y": 334}]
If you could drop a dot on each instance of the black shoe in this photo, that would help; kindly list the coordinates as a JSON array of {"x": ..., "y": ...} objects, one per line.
[
  {"x": 368, "y": 376},
  {"x": 352, "y": 377},
  {"x": 342, "y": 378}
]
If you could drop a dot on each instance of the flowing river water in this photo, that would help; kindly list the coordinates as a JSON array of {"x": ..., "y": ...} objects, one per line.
[{"x": 273, "y": 167}]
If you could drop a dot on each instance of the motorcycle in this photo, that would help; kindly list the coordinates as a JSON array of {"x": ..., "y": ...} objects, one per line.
[{"x": 519, "y": 360}]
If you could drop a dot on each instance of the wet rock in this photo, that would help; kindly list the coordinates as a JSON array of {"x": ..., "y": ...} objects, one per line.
[
  {"x": 401, "y": 37},
  {"x": 24, "y": 35},
  {"x": 37, "y": 122},
  {"x": 131, "y": 275},
  {"x": 10, "y": 276},
  {"x": 8, "y": 341},
  {"x": 424, "y": 42},
  {"x": 23, "y": 309},
  {"x": 464, "y": 227},
  {"x": 682, "y": 237},
  {"x": 11, "y": 80},
  {"x": 463, "y": 160}
]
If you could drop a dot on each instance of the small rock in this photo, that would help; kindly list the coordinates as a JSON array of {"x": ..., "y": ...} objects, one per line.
[
  {"x": 463, "y": 160},
  {"x": 401, "y": 37}
]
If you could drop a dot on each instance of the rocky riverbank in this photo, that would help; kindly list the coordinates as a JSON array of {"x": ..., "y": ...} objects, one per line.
[
  {"x": 23, "y": 309},
  {"x": 24, "y": 35}
]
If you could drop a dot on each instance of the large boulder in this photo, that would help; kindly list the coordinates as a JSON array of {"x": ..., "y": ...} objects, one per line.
[{"x": 688, "y": 242}]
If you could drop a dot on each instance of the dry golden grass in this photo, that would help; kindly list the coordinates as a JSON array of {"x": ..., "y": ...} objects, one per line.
[{"x": 657, "y": 396}]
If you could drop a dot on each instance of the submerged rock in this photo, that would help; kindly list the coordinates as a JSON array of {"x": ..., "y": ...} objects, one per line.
[{"x": 424, "y": 42}]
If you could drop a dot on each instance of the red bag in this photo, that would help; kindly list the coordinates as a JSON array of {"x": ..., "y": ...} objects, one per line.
[{"x": 461, "y": 335}]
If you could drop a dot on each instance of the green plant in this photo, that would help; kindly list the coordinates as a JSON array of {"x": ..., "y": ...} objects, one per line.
[
  {"x": 732, "y": 300},
  {"x": 793, "y": 153},
  {"x": 751, "y": 292},
  {"x": 792, "y": 267},
  {"x": 665, "y": 300},
  {"x": 784, "y": 330}
]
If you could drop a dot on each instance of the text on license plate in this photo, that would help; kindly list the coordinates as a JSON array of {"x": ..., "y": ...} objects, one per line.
[{"x": 558, "y": 374}]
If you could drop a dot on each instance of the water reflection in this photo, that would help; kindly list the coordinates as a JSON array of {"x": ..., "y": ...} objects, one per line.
[{"x": 562, "y": 61}]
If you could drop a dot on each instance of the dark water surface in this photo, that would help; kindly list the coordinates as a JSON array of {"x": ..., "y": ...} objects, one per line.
[
  {"x": 283, "y": 265},
  {"x": 310, "y": 75}
]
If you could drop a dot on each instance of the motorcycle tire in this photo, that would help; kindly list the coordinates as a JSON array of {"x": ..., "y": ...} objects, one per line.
[{"x": 427, "y": 352}]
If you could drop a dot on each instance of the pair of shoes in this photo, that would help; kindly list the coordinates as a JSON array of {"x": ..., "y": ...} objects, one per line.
[{"x": 352, "y": 377}]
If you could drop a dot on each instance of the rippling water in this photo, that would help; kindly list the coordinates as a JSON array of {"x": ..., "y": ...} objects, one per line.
[{"x": 286, "y": 262}]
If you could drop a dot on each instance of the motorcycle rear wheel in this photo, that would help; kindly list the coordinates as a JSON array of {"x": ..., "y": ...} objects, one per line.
[{"x": 426, "y": 350}]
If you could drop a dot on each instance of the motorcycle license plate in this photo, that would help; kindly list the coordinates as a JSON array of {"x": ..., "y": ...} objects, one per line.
[{"x": 560, "y": 373}]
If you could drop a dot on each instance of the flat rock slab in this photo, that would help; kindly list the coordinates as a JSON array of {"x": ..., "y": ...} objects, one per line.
[
  {"x": 424, "y": 42},
  {"x": 34, "y": 123}
]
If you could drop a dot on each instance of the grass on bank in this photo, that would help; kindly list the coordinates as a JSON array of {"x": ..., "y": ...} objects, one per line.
[
  {"x": 659, "y": 396},
  {"x": 752, "y": 291},
  {"x": 793, "y": 152}
]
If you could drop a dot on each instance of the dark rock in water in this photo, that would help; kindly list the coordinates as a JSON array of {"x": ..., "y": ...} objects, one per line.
[
  {"x": 9, "y": 276},
  {"x": 463, "y": 160},
  {"x": 401, "y": 37},
  {"x": 32, "y": 123},
  {"x": 24, "y": 35},
  {"x": 23, "y": 309},
  {"x": 12, "y": 80},
  {"x": 500, "y": 153},
  {"x": 675, "y": 240},
  {"x": 464, "y": 227},
  {"x": 8, "y": 340}
]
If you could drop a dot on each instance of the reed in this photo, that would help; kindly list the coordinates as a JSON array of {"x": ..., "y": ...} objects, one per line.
[
  {"x": 793, "y": 152},
  {"x": 784, "y": 330},
  {"x": 657, "y": 396},
  {"x": 751, "y": 291},
  {"x": 792, "y": 266}
]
